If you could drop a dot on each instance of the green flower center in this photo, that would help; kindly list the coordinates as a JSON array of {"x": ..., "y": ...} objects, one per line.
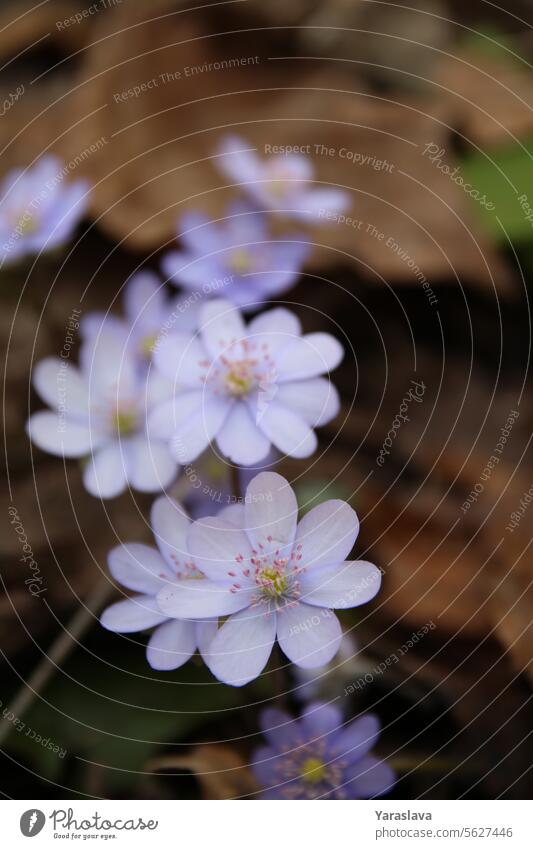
[
  {"x": 240, "y": 261},
  {"x": 125, "y": 421},
  {"x": 313, "y": 771}
]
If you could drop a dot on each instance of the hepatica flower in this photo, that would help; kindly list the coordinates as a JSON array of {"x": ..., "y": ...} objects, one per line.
[
  {"x": 39, "y": 210},
  {"x": 319, "y": 757},
  {"x": 148, "y": 314},
  {"x": 246, "y": 387},
  {"x": 99, "y": 412},
  {"x": 280, "y": 183},
  {"x": 275, "y": 578},
  {"x": 236, "y": 258},
  {"x": 145, "y": 570}
]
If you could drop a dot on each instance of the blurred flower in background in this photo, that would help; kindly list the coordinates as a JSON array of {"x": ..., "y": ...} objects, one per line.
[
  {"x": 320, "y": 757},
  {"x": 235, "y": 257},
  {"x": 283, "y": 183},
  {"x": 38, "y": 209}
]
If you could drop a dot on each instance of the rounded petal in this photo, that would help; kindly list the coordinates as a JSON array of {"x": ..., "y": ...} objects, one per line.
[
  {"x": 62, "y": 386},
  {"x": 218, "y": 547},
  {"x": 310, "y": 356},
  {"x": 264, "y": 766},
  {"x": 205, "y": 633},
  {"x": 271, "y": 511},
  {"x": 287, "y": 431},
  {"x": 202, "y": 274},
  {"x": 181, "y": 357},
  {"x": 309, "y": 637},
  {"x": 316, "y": 400},
  {"x": 320, "y": 719},
  {"x": 238, "y": 160},
  {"x": 201, "y": 599},
  {"x": 373, "y": 778},
  {"x": 327, "y": 533},
  {"x": 145, "y": 299},
  {"x": 132, "y": 614},
  {"x": 345, "y": 585},
  {"x": 104, "y": 475},
  {"x": 200, "y": 234},
  {"x": 137, "y": 567},
  {"x": 171, "y": 645},
  {"x": 150, "y": 466},
  {"x": 315, "y": 202},
  {"x": 242, "y": 646},
  {"x": 221, "y": 325},
  {"x": 170, "y": 524},
  {"x": 276, "y": 328},
  {"x": 194, "y": 434},
  {"x": 240, "y": 439},
  {"x": 170, "y": 414},
  {"x": 279, "y": 729},
  {"x": 55, "y": 435}
]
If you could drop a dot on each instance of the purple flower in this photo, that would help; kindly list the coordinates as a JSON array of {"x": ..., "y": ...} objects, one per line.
[
  {"x": 319, "y": 757},
  {"x": 282, "y": 183},
  {"x": 247, "y": 387},
  {"x": 273, "y": 578},
  {"x": 38, "y": 209},
  {"x": 235, "y": 258},
  {"x": 148, "y": 315},
  {"x": 146, "y": 570},
  {"x": 99, "y": 411}
]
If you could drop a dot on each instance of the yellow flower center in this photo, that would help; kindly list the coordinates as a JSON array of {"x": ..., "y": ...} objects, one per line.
[
  {"x": 240, "y": 261},
  {"x": 148, "y": 345},
  {"x": 275, "y": 583},
  {"x": 313, "y": 770},
  {"x": 125, "y": 422},
  {"x": 26, "y": 224},
  {"x": 239, "y": 380}
]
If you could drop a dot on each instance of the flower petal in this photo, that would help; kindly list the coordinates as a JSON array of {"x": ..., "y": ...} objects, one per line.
[
  {"x": 144, "y": 300},
  {"x": 137, "y": 567},
  {"x": 287, "y": 431},
  {"x": 344, "y": 585},
  {"x": 181, "y": 357},
  {"x": 201, "y": 599},
  {"x": 193, "y": 436},
  {"x": 309, "y": 637},
  {"x": 234, "y": 514},
  {"x": 205, "y": 633},
  {"x": 316, "y": 400},
  {"x": 150, "y": 466},
  {"x": 320, "y": 719},
  {"x": 327, "y": 533},
  {"x": 357, "y": 738},
  {"x": 171, "y": 645},
  {"x": 104, "y": 475},
  {"x": 170, "y": 524},
  {"x": 62, "y": 386},
  {"x": 275, "y": 328},
  {"x": 132, "y": 614},
  {"x": 221, "y": 325},
  {"x": 238, "y": 160},
  {"x": 218, "y": 547},
  {"x": 64, "y": 438},
  {"x": 373, "y": 778},
  {"x": 280, "y": 729},
  {"x": 200, "y": 234},
  {"x": 169, "y": 415},
  {"x": 242, "y": 646},
  {"x": 271, "y": 511},
  {"x": 240, "y": 439},
  {"x": 311, "y": 355}
]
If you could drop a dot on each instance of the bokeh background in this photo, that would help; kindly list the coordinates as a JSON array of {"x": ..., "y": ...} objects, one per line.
[{"x": 419, "y": 93}]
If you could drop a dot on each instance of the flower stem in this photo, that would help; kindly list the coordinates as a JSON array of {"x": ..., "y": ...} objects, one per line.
[{"x": 59, "y": 651}]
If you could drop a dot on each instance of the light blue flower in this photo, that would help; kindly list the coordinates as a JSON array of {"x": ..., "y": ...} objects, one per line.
[
  {"x": 319, "y": 756},
  {"x": 274, "y": 578}
]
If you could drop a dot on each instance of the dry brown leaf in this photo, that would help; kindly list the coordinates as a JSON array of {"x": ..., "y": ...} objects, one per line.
[{"x": 220, "y": 770}]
